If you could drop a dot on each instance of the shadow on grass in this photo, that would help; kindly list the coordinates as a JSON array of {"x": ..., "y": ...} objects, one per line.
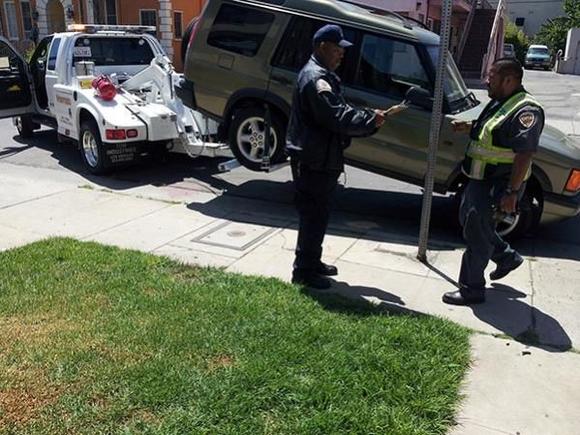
[{"x": 359, "y": 300}]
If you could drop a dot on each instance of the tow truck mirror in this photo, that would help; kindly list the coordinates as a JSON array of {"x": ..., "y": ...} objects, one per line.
[{"x": 420, "y": 97}]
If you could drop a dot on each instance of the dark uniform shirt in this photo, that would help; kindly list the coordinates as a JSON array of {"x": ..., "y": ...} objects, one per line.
[
  {"x": 321, "y": 121},
  {"x": 521, "y": 132}
]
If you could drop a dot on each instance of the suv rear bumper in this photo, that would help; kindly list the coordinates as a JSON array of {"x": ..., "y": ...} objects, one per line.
[
  {"x": 559, "y": 207},
  {"x": 186, "y": 93}
]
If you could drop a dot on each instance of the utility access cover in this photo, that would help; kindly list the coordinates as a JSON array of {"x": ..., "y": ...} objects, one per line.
[{"x": 235, "y": 235}]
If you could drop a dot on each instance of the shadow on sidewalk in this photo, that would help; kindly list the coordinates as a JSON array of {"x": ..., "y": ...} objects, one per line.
[{"x": 505, "y": 311}]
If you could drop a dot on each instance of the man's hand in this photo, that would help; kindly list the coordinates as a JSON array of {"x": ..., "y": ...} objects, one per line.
[
  {"x": 461, "y": 126},
  {"x": 379, "y": 118},
  {"x": 395, "y": 109},
  {"x": 508, "y": 203}
]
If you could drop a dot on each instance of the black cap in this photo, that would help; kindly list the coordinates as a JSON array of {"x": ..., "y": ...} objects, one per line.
[{"x": 331, "y": 33}]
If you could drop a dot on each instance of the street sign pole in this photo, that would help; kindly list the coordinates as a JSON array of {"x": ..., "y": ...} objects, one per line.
[{"x": 436, "y": 119}]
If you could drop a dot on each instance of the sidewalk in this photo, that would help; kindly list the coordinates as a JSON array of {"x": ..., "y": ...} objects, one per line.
[{"x": 526, "y": 387}]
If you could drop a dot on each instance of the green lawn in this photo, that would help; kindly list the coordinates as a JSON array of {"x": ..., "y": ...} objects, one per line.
[{"x": 100, "y": 340}]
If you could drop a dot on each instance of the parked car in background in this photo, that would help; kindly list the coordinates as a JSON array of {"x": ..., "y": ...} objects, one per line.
[
  {"x": 244, "y": 57},
  {"x": 538, "y": 56},
  {"x": 509, "y": 50}
]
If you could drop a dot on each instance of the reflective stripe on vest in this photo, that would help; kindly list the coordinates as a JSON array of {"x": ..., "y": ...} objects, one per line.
[{"x": 482, "y": 151}]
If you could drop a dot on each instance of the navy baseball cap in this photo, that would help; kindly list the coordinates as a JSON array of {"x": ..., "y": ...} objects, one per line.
[{"x": 331, "y": 33}]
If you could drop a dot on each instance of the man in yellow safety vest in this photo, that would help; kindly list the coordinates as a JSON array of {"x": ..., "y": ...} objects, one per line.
[{"x": 498, "y": 163}]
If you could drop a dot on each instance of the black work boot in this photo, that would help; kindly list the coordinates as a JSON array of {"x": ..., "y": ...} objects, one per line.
[
  {"x": 310, "y": 279},
  {"x": 465, "y": 296},
  {"x": 506, "y": 267},
  {"x": 327, "y": 270}
]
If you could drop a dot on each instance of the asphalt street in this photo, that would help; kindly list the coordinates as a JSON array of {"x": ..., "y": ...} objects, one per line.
[{"x": 393, "y": 204}]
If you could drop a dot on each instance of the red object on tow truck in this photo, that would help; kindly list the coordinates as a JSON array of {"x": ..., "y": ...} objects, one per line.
[{"x": 105, "y": 88}]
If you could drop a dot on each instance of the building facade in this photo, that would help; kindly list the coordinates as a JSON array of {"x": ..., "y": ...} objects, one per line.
[
  {"x": 530, "y": 15},
  {"x": 22, "y": 20},
  {"x": 427, "y": 12}
]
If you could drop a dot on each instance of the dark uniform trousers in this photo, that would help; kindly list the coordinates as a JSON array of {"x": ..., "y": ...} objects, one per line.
[
  {"x": 314, "y": 193},
  {"x": 479, "y": 231}
]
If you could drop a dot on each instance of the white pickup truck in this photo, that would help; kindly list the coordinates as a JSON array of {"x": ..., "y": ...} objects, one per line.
[{"x": 142, "y": 120}]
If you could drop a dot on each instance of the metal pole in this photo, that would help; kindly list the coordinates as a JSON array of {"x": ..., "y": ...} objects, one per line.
[{"x": 436, "y": 120}]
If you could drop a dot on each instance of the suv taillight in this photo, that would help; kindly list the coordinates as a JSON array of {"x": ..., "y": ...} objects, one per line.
[{"x": 573, "y": 184}]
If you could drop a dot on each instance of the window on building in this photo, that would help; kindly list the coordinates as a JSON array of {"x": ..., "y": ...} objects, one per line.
[
  {"x": 240, "y": 29},
  {"x": 178, "y": 24},
  {"x": 389, "y": 67},
  {"x": 148, "y": 17},
  {"x": 26, "y": 18},
  {"x": 10, "y": 13},
  {"x": 111, "y": 11},
  {"x": 520, "y": 21}
]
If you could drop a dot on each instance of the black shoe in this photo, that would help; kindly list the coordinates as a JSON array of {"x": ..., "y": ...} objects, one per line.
[
  {"x": 464, "y": 297},
  {"x": 327, "y": 270},
  {"x": 311, "y": 280},
  {"x": 506, "y": 267}
]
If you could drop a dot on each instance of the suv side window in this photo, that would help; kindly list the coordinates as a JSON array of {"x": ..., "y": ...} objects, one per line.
[
  {"x": 389, "y": 67},
  {"x": 53, "y": 53},
  {"x": 240, "y": 29},
  {"x": 296, "y": 46}
]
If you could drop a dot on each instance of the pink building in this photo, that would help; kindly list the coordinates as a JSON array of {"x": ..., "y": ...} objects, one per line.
[{"x": 428, "y": 12}]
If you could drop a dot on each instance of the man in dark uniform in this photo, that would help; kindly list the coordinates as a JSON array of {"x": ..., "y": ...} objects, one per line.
[
  {"x": 498, "y": 162},
  {"x": 320, "y": 128}
]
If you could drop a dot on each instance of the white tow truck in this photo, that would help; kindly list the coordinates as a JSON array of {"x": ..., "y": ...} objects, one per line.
[{"x": 131, "y": 114}]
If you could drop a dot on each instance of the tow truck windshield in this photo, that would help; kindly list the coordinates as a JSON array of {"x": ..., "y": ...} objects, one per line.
[{"x": 110, "y": 51}]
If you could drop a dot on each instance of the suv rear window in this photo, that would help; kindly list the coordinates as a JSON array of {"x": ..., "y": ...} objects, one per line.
[
  {"x": 239, "y": 29},
  {"x": 113, "y": 51}
]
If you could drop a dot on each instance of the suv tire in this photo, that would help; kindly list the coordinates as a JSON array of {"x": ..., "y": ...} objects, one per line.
[
  {"x": 527, "y": 219},
  {"x": 25, "y": 126},
  {"x": 246, "y": 138},
  {"x": 92, "y": 149}
]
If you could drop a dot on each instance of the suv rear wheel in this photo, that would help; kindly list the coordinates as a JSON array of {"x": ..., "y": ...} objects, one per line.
[{"x": 247, "y": 136}]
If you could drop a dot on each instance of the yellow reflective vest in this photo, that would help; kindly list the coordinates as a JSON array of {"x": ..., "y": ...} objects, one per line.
[{"x": 482, "y": 151}]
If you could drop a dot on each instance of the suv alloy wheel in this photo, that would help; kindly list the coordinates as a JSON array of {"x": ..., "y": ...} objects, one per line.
[{"x": 247, "y": 137}]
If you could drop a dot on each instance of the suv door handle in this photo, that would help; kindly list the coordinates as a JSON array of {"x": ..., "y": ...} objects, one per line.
[{"x": 282, "y": 80}]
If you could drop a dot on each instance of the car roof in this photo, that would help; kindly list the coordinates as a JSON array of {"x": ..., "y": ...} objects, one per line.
[
  {"x": 349, "y": 14},
  {"x": 538, "y": 46}
]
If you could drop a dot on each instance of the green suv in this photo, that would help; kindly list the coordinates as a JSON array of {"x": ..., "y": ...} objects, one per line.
[{"x": 244, "y": 56}]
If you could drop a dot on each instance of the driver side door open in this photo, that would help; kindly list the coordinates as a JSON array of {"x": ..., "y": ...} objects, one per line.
[{"x": 16, "y": 92}]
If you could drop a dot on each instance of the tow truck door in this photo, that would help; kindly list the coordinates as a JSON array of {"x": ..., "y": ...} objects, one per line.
[{"x": 16, "y": 93}]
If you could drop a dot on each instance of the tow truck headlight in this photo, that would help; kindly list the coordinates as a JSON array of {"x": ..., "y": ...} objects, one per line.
[{"x": 573, "y": 184}]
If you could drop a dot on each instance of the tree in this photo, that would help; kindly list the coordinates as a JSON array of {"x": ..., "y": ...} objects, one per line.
[
  {"x": 515, "y": 36},
  {"x": 554, "y": 32}
]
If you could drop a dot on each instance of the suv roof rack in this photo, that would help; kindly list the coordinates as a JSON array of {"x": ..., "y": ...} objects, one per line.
[{"x": 94, "y": 28}]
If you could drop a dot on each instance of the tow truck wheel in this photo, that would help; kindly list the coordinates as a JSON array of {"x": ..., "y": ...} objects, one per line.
[
  {"x": 247, "y": 137},
  {"x": 91, "y": 147},
  {"x": 25, "y": 126}
]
